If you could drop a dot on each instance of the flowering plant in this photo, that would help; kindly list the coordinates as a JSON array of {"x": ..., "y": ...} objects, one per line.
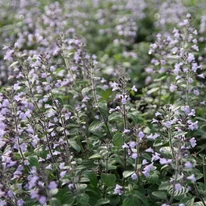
[{"x": 102, "y": 103}]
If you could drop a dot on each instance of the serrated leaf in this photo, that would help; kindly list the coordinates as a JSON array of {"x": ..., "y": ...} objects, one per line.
[
  {"x": 55, "y": 202},
  {"x": 159, "y": 143},
  {"x": 116, "y": 116},
  {"x": 155, "y": 89},
  {"x": 102, "y": 202},
  {"x": 54, "y": 191},
  {"x": 127, "y": 173},
  {"x": 130, "y": 201},
  {"x": 14, "y": 64},
  {"x": 86, "y": 90},
  {"x": 118, "y": 139},
  {"x": 154, "y": 177},
  {"x": 95, "y": 126},
  {"x": 74, "y": 145},
  {"x": 142, "y": 197},
  {"x": 33, "y": 161},
  {"x": 177, "y": 193},
  {"x": 108, "y": 179},
  {"x": 82, "y": 199},
  {"x": 95, "y": 156},
  {"x": 164, "y": 186},
  {"x": 105, "y": 94},
  {"x": 188, "y": 201},
  {"x": 160, "y": 195}
]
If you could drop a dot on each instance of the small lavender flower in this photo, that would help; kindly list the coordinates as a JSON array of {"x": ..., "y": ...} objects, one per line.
[
  {"x": 52, "y": 185},
  {"x": 134, "y": 155},
  {"x": 42, "y": 199},
  {"x": 173, "y": 87},
  {"x": 147, "y": 169},
  {"x": 141, "y": 134},
  {"x": 188, "y": 165},
  {"x": 178, "y": 187},
  {"x": 193, "y": 142},
  {"x": 132, "y": 144},
  {"x": 71, "y": 186},
  {"x": 192, "y": 178},
  {"x": 134, "y": 176},
  {"x": 118, "y": 190}
]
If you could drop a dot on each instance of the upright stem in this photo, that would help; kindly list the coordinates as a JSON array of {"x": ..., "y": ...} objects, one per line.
[{"x": 96, "y": 102}]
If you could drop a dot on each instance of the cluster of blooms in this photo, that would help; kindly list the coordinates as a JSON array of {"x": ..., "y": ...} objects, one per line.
[
  {"x": 173, "y": 9},
  {"x": 177, "y": 61},
  {"x": 32, "y": 118}
]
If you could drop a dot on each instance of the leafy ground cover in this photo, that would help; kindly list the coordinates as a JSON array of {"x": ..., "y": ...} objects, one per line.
[{"x": 102, "y": 103}]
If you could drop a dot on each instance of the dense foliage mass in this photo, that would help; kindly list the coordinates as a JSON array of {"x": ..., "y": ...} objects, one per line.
[{"x": 102, "y": 103}]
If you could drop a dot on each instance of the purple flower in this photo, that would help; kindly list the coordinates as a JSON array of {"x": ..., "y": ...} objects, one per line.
[
  {"x": 125, "y": 146},
  {"x": 124, "y": 100},
  {"x": 147, "y": 169},
  {"x": 126, "y": 131},
  {"x": 42, "y": 199},
  {"x": 141, "y": 134},
  {"x": 118, "y": 190},
  {"x": 188, "y": 165},
  {"x": 9, "y": 55},
  {"x": 190, "y": 57},
  {"x": 149, "y": 150},
  {"x": 155, "y": 156},
  {"x": 144, "y": 162},
  {"x": 132, "y": 144},
  {"x": 168, "y": 124},
  {"x": 20, "y": 202},
  {"x": 173, "y": 87},
  {"x": 193, "y": 142},
  {"x": 192, "y": 178},
  {"x": 134, "y": 176},
  {"x": 164, "y": 161},
  {"x": 52, "y": 185},
  {"x": 71, "y": 186},
  {"x": 192, "y": 125},
  {"x": 178, "y": 187},
  {"x": 196, "y": 92},
  {"x": 153, "y": 136},
  {"x": 134, "y": 155},
  {"x": 134, "y": 88}
]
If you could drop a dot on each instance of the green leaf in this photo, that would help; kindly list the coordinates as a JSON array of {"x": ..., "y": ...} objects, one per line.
[
  {"x": 154, "y": 177},
  {"x": 95, "y": 126},
  {"x": 108, "y": 179},
  {"x": 92, "y": 177},
  {"x": 118, "y": 139},
  {"x": 159, "y": 143},
  {"x": 177, "y": 193},
  {"x": 160, "y": 194},
  {"x": 130, "y": 201},
  {"x": 188, "y": 201},
  {"x": 155, "y": 89},
  {"x": 86, "y": 90},
  {"x": 33, "y": 161},
  {"x": 55, "y": 202},
  {"x": 74, "y": 145},
  {"x": 164, "y": 186},
  {"x": 102, "y": 202},
  {"x": 127, "y": 173},
  {"x": 95, "y": 156},
  {"x": 142, "y": 197},
  {"x": 115, "y": 117},
  {"x": 106, "y": 94},
  {"x": 54, "y": 191},
  {"x": 83, "y": 199}
]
